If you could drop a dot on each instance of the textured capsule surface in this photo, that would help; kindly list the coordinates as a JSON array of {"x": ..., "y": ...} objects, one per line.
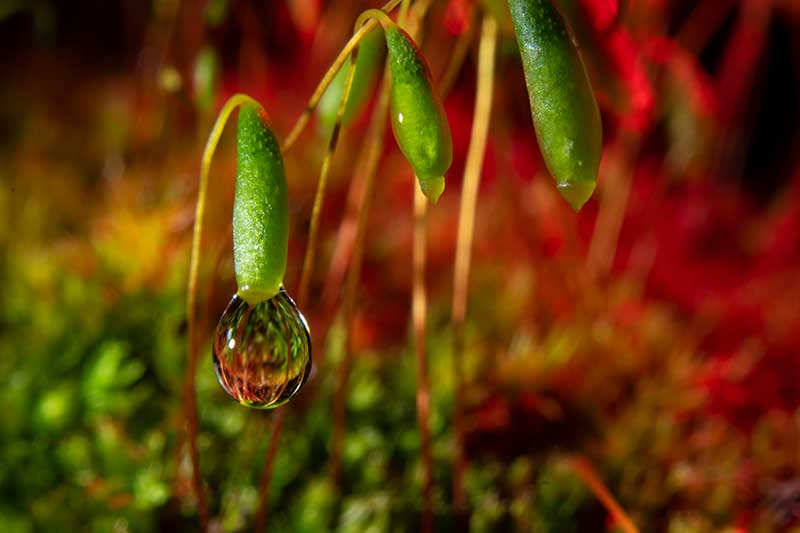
[
  {"x": 368, "y": 62},
  {"x": 260, "y": 208},
  {"x": 418, "y": 120},
  {"x": 262, "y": 352},
  {"x": 564, "y": 109}
]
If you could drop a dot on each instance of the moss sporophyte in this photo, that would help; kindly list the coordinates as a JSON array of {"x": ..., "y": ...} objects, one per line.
[
  {"x": 563, "y": 106},
  {"x": 262, "y": 346},
  {"x": 418, "y": 120}
]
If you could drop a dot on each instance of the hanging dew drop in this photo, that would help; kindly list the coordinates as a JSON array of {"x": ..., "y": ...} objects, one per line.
[{"x": 262, "y": 353}]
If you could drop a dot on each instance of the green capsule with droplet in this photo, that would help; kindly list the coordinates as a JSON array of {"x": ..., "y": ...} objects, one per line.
[
  {"x": 564, "y": 109},
  {"x": 260, "y": 208},
  {"x": 368, "y": 63},
  {"x": 204, "y": 78},
  {"x": 418, "y": 120}
]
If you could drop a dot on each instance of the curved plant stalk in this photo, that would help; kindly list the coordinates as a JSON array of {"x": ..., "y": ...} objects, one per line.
[
  {"x": 466, "y": 225},
  {"x": 376, "y": 15},
  {"x": 583, "y": 469},
  {"x": 197, "y": 233},
  {"x": 326, "y": 80},
  {"x": 419, "y": 320},
  {"x": 319, "y": 197},
  {"x": 189, "y": 399}
]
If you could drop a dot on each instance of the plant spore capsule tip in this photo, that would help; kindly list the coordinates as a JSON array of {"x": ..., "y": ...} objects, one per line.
[
  {"x": 432, "y": 188},
  {"x": 576, "y": 193}
]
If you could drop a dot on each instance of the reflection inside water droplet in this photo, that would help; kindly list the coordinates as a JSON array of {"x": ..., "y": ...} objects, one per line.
[{"x": 262, "y": 353}]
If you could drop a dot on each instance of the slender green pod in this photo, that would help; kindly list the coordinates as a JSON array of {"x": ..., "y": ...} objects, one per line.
[
  {"x": 564, "y": 109},
  {"x": 260, "y": 208},
  {"x": 368, "y": 63},
  {"x": 418, "y": 120}
]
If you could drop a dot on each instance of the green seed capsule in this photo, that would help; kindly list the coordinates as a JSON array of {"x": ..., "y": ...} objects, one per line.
[
  {"x": 563, "y": 106},
  {"x": 418, "y": 119},
  {"x": 260, "y": 208},
  {"x": 370, "y": 53}
]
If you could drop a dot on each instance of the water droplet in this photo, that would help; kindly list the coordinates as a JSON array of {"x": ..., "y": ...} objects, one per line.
[{"x": 262, "y": 353}]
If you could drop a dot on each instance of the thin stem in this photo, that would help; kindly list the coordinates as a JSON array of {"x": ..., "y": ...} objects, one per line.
[
  {"x": 189, "y": 399},
  {"x": 613, "y": 205},
  {"x": 456, "y": 61},
  {"x": 218, "y": 254},
  {"x": 197, "y": 234},
  {"x": 419, "y": 319},
  {"x": 319, "y": 197},
  {"x": 472, "y": 169},
  {"x": 326, "y": 80},
  {"x": 262, "y": 514},
  {"x": 584, "y": 470},
  {"x": 346, "y": 235},
  {"x": 466, "y": 225},
  {"x": 374, "y": 14}
]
